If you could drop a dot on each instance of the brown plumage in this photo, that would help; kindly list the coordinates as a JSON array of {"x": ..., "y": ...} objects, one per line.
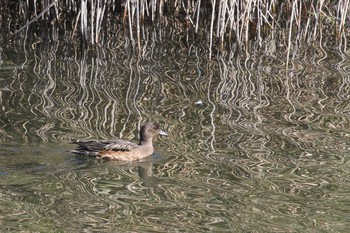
[{"x": 121, "y": 149}]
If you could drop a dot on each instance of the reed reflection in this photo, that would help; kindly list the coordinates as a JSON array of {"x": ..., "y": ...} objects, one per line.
[{"x": 263, "y": 141}]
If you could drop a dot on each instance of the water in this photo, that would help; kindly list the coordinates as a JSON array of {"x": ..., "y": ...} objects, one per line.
[{"x": 251, "y": 148}]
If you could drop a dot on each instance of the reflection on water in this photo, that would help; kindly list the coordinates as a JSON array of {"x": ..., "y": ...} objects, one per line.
[{"x": 251, "y": 147}]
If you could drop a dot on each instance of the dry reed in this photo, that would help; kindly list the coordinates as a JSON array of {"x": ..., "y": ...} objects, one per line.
[{"x": 219, "y": 23}]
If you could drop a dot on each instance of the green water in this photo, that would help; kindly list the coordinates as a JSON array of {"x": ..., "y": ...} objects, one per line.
[{"x": 264, "y": 149}]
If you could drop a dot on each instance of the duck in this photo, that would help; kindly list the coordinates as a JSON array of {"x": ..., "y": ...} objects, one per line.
[{"x": 121, "y": 149}]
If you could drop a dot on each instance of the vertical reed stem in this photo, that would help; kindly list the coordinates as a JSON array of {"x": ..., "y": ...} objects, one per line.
[
  {"x": 290, "y": 33},
  {"x": 211, "y": 27},
  {"x": 130, "y": 22},
  {"x": 138, "y": 25}
]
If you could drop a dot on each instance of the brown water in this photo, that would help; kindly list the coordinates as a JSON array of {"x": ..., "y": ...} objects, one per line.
[{"x": 252, "y": 148}]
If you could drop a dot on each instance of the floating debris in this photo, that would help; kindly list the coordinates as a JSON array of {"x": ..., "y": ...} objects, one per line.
[{"x": 199, "y": 102}]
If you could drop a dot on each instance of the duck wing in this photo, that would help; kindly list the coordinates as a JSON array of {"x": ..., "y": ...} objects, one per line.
[
  {"x": 120, "y": 145},
  {"x": 95, "y": 147}
]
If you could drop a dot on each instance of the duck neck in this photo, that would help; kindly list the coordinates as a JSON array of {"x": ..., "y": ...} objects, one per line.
[{"x": 144, "y": 140}]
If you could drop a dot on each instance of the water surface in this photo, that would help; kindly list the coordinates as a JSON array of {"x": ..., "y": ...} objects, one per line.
[{"x": 251, "y": 147}]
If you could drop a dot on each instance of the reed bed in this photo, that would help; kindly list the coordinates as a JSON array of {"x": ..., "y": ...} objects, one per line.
[{"x": 219, "y": 24}]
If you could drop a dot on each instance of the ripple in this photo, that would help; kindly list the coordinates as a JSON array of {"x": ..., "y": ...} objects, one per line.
[{"x": 266, "y": 149}]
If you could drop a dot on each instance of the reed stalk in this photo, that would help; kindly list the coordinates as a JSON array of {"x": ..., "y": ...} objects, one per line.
[
  {"x": 211, "y": 27},
  {"x": 230, "y": 22}
]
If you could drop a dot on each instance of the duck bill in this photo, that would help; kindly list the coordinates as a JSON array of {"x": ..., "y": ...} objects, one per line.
[{"x": 163, "y": 133}]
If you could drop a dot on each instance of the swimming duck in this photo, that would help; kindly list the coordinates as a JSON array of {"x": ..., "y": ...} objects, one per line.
[{"x": 121, "y": 149}]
